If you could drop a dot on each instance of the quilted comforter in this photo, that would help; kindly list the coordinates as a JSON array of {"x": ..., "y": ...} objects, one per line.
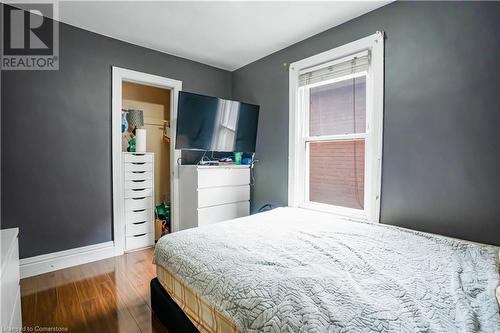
[{"x": 293, "y": 270}]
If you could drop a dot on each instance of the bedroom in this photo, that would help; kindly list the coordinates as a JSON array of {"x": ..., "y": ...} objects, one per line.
[{"x": 375, "y": 168}]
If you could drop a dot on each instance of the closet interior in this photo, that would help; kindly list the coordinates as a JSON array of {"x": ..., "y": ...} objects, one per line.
[{"x": 155, "y": 104}]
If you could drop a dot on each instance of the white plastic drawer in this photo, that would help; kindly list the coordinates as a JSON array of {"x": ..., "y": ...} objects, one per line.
[
  {"x": 138, "y": 184},
  {"x": 210, "y": 215},
  {"x": 138, "y": 175},
  {"x": 137, "y": 167},
  {"x": 138, "y": 228},
  {"x": 138, "y": 204},
  {"x": 213, "y": 177},
  {"x": 139, "y": 215},
  {"x": 139, "y": 241},
  {"x": 138, "y": 157},
  {"x": 213, "y": 196},
  {"x": 138, "y": 193}
]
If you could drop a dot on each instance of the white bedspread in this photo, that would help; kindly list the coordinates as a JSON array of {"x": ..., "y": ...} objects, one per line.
[{"x": 293, "y": 270}]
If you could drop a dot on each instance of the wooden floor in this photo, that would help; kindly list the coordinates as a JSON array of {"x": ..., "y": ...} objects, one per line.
[{"x": 110, "y": 295}]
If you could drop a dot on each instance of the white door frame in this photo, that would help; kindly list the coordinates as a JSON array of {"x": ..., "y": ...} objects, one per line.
[{"x": 120, "y": 75}]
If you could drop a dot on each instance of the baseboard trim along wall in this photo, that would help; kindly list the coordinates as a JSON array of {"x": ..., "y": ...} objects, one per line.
[{"x": 58, "y": 260}]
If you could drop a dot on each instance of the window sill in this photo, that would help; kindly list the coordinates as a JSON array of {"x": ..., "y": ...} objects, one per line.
[{"x": 342, "y": 212}]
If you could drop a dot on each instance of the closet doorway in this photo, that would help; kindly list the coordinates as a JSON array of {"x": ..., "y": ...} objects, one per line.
[
  {"x": 154, "y": 103},
  {"x": 156, "y": 97}
]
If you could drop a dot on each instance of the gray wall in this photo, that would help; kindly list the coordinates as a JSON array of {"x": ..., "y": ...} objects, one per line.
[
  {"x": 441, "y": 162},
  {"x": 56, "y": 138},
  {"x": 441, "y": 150}
]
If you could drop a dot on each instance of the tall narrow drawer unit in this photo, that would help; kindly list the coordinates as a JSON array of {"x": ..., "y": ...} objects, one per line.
[
  {"x": 138, "y": 199},
  {"x": 212, "y": 194}
]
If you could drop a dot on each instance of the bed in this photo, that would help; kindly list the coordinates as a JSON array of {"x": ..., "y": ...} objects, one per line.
[{"x": 295, "y": 270}]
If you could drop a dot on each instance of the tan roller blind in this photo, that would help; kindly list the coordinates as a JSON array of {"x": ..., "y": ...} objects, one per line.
[{"x": 341, "y": 67}]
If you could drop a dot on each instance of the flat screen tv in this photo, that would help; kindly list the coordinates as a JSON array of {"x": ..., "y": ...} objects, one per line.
[{"x": 215, "y": 124}]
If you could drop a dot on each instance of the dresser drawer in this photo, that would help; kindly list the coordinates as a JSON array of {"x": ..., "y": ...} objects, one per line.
[
  {"x": 214, "y": 177},
  {"x": 139, "y": 215},
  {"x": 138, "y": 228},
  {"x": 138, "y": 204},
  {"x": 10, "y": 284},
  {"x": 214, "y": 196},
  {"x": 127, "y": 167},
  {"x": 138, "y": 193},
  {"x": 138, "y": 175},
  {"x": 16, "y": 319},
  {"x": 138, "y": 158},
  {"x": 138, "y": 184},
  {"x": 139, "y": 241},
  {"x": 210, "y": 215}
]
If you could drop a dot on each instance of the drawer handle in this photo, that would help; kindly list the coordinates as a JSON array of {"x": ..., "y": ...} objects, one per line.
[
  {"x": 138, "y": 171},
  {"x": 138, "y": 189},
  {"x": 138, "y": 210},
  {"x": 139, "y": 235},
  {"x": 139, "y": 198},
  {"x": 138, "y": 154},
  {"x": 139, "y": 222},
  {"x": 138, "y": 163},
  {"x": 139, "y": 181}
]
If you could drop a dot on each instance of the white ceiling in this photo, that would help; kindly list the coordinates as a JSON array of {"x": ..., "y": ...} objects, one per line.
[{"x": 227, "y": 35}]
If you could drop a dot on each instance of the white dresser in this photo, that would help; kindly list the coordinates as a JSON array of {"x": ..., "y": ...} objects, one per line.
[
  {"x": 138, "y": 197},
  {"x": 11, "y": 292},
  {"x": 211, "y": 194}
]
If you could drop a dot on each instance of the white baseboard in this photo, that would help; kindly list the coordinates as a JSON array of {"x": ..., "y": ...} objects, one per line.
[{"x": 58, "y": 260}]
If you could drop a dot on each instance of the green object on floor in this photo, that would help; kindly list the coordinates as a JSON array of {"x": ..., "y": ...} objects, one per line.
[{"x": 163, "y": 211}]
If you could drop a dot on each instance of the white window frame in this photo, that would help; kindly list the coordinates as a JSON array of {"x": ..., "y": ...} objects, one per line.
[{"x": 298, "y": 174}]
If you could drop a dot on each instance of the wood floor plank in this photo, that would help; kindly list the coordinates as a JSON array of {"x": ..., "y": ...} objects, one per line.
[
  {"x": 28, "y": 286},
  {"x": 144, "y": 291},
  {"x": 87, "y": 287},
  {"x": 45, "y": 281},
  {"x": 111, "y": 295},
  {"x": 69, "y": 312},
  {"x": 136, "y": 304},
  {"x": 46, "y": 305},
  {"x": 96, "y": 317},
  {"x": 28, "y": 309},
  {"x": 142, "y": 315},
  {"x": 117, "y": 311}
]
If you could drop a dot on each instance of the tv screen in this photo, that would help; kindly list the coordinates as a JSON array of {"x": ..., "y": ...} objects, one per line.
[{"x": 215, "y": 124}]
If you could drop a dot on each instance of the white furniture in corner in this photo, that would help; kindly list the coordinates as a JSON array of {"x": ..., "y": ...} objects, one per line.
[
  {"x": 211, "y": 194},
  {"x": 138, "y": 200},
  {"x": 11, "y": 292}
]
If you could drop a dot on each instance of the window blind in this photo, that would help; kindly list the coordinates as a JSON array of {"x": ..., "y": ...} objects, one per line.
[{"x": 349, "y": 65}]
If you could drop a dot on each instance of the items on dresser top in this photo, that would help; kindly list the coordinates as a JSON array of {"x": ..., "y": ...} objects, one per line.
[
  {"x": 138, "y": 188},
  {"x": 237, "y": 157},
  {"x": 11, "y": 292},
  {"x": 211, "y": 194}
]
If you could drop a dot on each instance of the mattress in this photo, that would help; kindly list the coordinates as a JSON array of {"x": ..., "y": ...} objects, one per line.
[
  {"x": 291, "y": 270},
  {"x": 205, "y": 317}
]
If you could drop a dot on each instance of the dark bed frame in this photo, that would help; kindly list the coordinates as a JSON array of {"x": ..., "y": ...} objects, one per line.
[{"x": 169, "y": 313}]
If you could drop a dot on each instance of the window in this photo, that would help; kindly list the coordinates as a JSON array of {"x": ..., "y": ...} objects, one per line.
[
  {"x": 336, "y": 107},
  {"x": 227, "y": 120}
]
